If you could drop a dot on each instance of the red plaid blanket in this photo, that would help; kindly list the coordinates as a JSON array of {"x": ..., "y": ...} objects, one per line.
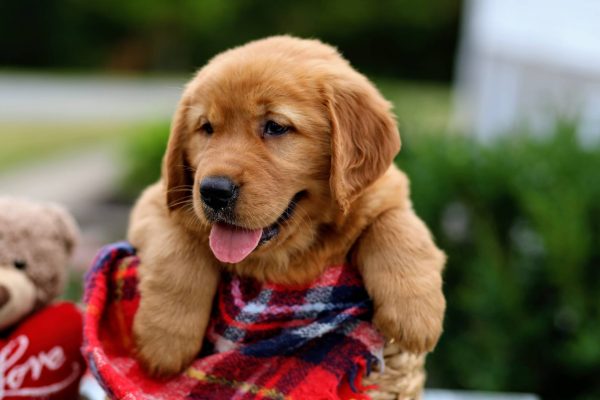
[{"x": 264, "y": 341}]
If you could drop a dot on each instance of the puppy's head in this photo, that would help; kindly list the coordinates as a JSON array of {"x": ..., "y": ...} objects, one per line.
[{"x": 271, "y": 141}]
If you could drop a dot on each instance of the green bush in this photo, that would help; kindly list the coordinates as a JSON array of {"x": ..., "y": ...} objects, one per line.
[
  {"x": 144, "y": 152},
  {"x": 520, "y": 222}
]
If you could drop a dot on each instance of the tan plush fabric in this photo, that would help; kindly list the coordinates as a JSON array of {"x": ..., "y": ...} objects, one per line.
[{"x": 36, "y": 241}]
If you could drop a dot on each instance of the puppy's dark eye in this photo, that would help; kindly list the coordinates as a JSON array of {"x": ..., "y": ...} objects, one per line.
[
  {"x": 20, "y": 264},
  {"x": 207, "y": 127},
  {"x": 274, "y": 129}
]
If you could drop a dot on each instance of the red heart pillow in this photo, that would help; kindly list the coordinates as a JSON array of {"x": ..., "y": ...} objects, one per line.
[{"x": 41, "y": 358}]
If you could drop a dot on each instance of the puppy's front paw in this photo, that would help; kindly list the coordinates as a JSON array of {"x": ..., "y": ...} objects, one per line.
[
  {"x": 163, "y": 353},
  {"x": 414, "y": 322}
]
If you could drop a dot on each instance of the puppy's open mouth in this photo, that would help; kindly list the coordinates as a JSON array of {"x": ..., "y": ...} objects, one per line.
[{"x": 232, "y": 243}]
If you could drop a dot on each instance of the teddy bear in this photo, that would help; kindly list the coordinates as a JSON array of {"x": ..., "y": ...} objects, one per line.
[{"x": 40, "y": 339}]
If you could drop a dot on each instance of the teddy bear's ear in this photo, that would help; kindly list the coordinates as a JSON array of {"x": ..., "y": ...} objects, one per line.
[{"x": 67, "y": 227}]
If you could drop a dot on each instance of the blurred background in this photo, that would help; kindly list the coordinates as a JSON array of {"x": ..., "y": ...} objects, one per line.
[{"x": 498, "y": 103}]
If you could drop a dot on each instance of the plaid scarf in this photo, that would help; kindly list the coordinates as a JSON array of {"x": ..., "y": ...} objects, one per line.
[{"x": 264, "y": 341}]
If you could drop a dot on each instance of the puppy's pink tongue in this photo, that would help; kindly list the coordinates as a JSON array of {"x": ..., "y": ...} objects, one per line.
[{"x": 231, "y": 244}]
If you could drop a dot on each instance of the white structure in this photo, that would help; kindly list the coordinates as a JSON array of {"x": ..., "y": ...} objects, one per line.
[{"x": 525, "y": 63}]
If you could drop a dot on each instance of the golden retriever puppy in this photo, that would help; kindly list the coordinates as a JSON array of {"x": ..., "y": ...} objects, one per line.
[{"x": 279, "y": 164}]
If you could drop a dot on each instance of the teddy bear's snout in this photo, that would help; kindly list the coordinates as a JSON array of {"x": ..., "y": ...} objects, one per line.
[
  {"x": 17, "y": 296},
  {"x": 4, "y": 295}
]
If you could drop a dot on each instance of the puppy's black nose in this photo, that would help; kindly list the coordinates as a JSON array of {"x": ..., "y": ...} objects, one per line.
[{"x": 218, "y": 192}]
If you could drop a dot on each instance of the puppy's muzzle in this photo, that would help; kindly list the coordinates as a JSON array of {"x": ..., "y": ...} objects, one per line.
[{"x": 219, "y": 194}]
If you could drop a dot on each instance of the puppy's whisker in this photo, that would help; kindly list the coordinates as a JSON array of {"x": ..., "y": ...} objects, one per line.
[
  {"x": 190, "y": 214},
  {"x": 178, "y": 190},
  {"x": 185, "y": 199},
  {"x": 192, "y": 218},
  {"x": 181, "y": 186},
  {"x": 181, "y": 189},
  {"x": 182, "y": 202}
]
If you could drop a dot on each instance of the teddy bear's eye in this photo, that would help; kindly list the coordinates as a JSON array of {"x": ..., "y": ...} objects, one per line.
[{"x": 20, "y": 264}]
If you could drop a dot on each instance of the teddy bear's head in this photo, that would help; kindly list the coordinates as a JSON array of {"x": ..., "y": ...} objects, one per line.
[{"x": 36, "y": 241}]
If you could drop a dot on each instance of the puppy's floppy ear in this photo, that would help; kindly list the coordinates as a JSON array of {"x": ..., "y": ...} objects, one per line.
[
  {"x": 364, "y": 137},
  {"x": 176, "y": 170}
]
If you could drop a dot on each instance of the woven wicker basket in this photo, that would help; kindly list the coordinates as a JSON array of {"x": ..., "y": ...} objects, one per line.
[{"x": 403, "y": 377}]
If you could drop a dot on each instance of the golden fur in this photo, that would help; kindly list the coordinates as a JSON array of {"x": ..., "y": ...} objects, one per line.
[{"x": 339, "y": 149}]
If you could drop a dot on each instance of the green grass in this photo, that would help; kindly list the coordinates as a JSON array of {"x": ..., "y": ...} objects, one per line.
[{"x": 25, "y": 141}]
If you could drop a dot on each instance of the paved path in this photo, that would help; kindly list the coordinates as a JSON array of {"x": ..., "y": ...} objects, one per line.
[
  {"x": 73, "y": 179},
  {"x": 27, "y": 97}
]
